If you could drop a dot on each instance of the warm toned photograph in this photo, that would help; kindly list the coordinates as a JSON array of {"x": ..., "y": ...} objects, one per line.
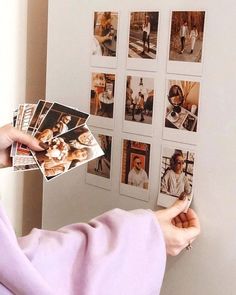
[
  {"x": 38, "y": 116},
  {"x": 186, "y": 37},
  {"x": 139, "y": 99},
  {"x": 105, "y": 33},
  {"x": 102, "y": 94},
  {"x": 176, "y": 172},
  {"x": 135, "y": 164},
  {"x": 102, "y": 165},
  {"x": 58, "y": 120},
  {"x": 68, "y": 151},
  {"x": 182, "y": 105},
  {"x": 143, "y": 34}
]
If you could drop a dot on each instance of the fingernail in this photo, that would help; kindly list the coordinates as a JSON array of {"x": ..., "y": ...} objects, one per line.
[
  {"x": 183, "y": 197},
  {"x": 43, "y": 145}
]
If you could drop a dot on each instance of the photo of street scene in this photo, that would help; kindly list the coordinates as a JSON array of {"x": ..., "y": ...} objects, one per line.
[
  {"x": 186, "y": 37},
  {"x": 143, "y": 34}
]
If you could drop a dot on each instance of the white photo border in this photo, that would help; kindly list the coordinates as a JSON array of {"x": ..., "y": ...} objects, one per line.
[
  {"x": 150, "y": 65},
  {"x": 184, "y": 67},
  {"x": 96, "y": 180}
]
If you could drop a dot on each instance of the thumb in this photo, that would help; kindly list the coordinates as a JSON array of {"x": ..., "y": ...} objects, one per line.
[
  {"x": 178, "y": 207},
  {"x": 24, "y": 138}
]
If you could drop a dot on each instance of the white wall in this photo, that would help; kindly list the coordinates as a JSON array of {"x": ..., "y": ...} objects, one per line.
[
  {"x": 22, "y": 53},
  {"x": 210, "y": 267}
]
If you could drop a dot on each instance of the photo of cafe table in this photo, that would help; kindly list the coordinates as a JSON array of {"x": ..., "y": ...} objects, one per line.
[{"x": 182, "y": 111}]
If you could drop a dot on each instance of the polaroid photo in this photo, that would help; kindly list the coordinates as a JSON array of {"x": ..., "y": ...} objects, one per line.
[
  {"x": 67, "y": 151},
  {"x": 21, "y": 122},
  {"x": 41, "y": 110},
  {"x": 186, "y": 42},
  {"x": 20, "y": 163},
  {"x": 99, "y": 170},
  {"x": 58, "y": 120},
  {"x": 14, "y": 117},
  {"x": 22, "y": 159},
  {"x": 104, "y": 41},
  {"x": 28, "y": 110},
  {"x": 17, "y": 124},
  {"x": 26, "y": 162},
  {"x": 135, "y": 168},
  {"x": 102, "y": 99},
  {"x": 138, "y": 105},
  {"x": 182, "y": 109},
  {"x": 142, "y": 43},
  {"x": 176, "y": 175}
]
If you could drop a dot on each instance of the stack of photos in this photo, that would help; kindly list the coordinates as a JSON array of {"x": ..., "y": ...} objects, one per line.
[
  {"x": 186, "y": 42},
  {"x": 102, "y": 99},
  {"x": 142, "y": 42},
  {"x": 99, "y": 170},
  {"x": 104, "y": 39},
  {"x": 135, "y": 169},
  {"x": 62, "y": 130},
  {"x": 140, "y": 95},
  {"x": 177, "y": 174},
  {"x": 21, "y": 155}
]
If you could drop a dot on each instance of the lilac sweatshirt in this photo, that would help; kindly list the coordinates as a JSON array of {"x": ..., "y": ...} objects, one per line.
[{"x": 117, "y": 253}]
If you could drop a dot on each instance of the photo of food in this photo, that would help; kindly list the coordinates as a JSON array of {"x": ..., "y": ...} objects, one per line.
[
  {"x": 67, "y": 151},
  {"x": 182, "y": 105}
]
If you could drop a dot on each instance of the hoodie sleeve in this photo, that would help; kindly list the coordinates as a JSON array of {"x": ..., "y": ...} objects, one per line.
[
  {"x": 17, "y": 274},
  {"x": 118, "y": 252}
]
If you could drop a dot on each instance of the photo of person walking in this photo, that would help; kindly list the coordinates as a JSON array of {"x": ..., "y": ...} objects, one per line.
[
  {"x": 186, "y": 36},
  {"x": 143, "y": 34},
  {"x": 139, "y": 99}
]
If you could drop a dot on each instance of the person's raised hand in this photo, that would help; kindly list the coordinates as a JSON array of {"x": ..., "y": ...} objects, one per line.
[
  {"x": 179, "y": 229},
  {"x": 8, "y": 135}
]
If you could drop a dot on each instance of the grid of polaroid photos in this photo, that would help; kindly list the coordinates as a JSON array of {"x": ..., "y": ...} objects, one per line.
[
  {"x": 141, "y": 101},
  {"x": 62, "y": 132}
]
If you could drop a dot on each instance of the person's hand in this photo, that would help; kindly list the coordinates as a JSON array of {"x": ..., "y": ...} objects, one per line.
[
  {"x": 9, "y": 134},
  {"x": 179, "y": 229}
]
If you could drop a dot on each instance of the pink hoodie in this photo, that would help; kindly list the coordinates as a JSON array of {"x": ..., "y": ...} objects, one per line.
[{"x": 117, "y": 253}]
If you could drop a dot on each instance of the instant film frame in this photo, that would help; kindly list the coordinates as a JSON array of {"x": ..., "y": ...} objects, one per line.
[
  {"x": 139, "y": 57},
  {"x": 169, "y": 185},
  {"x": 184, "y": 61},
  {"x": 181, "y": 119},
  {"x": 104, "y": 38},
  {"x": 140, "y": 105},
  {"x": 99, "y": 171},
  {"x": 102, "y": 98},
  {"x": 68, "y": 142},
  {"x": 132, "y": 149}
]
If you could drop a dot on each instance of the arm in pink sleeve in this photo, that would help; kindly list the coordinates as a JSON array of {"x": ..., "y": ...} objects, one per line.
[
  {"x": 118, "y": 252},
  {"x": 125, "y": 254},
  {"x": 17, "y": 274}
]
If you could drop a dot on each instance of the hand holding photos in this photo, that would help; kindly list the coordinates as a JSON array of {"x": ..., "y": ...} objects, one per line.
[{"x": 68, "y": 141}]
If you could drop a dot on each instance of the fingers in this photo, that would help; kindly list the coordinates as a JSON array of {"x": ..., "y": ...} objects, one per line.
[
  {"x": 18, "y": 136},
  {"x": 178, "y": 222},
  {"x": 192, "y": 218},
  {"x": 178, "y": 207}
]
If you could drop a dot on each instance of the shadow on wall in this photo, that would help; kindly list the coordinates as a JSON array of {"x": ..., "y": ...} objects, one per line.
[{"x": 36, "y": 56}]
